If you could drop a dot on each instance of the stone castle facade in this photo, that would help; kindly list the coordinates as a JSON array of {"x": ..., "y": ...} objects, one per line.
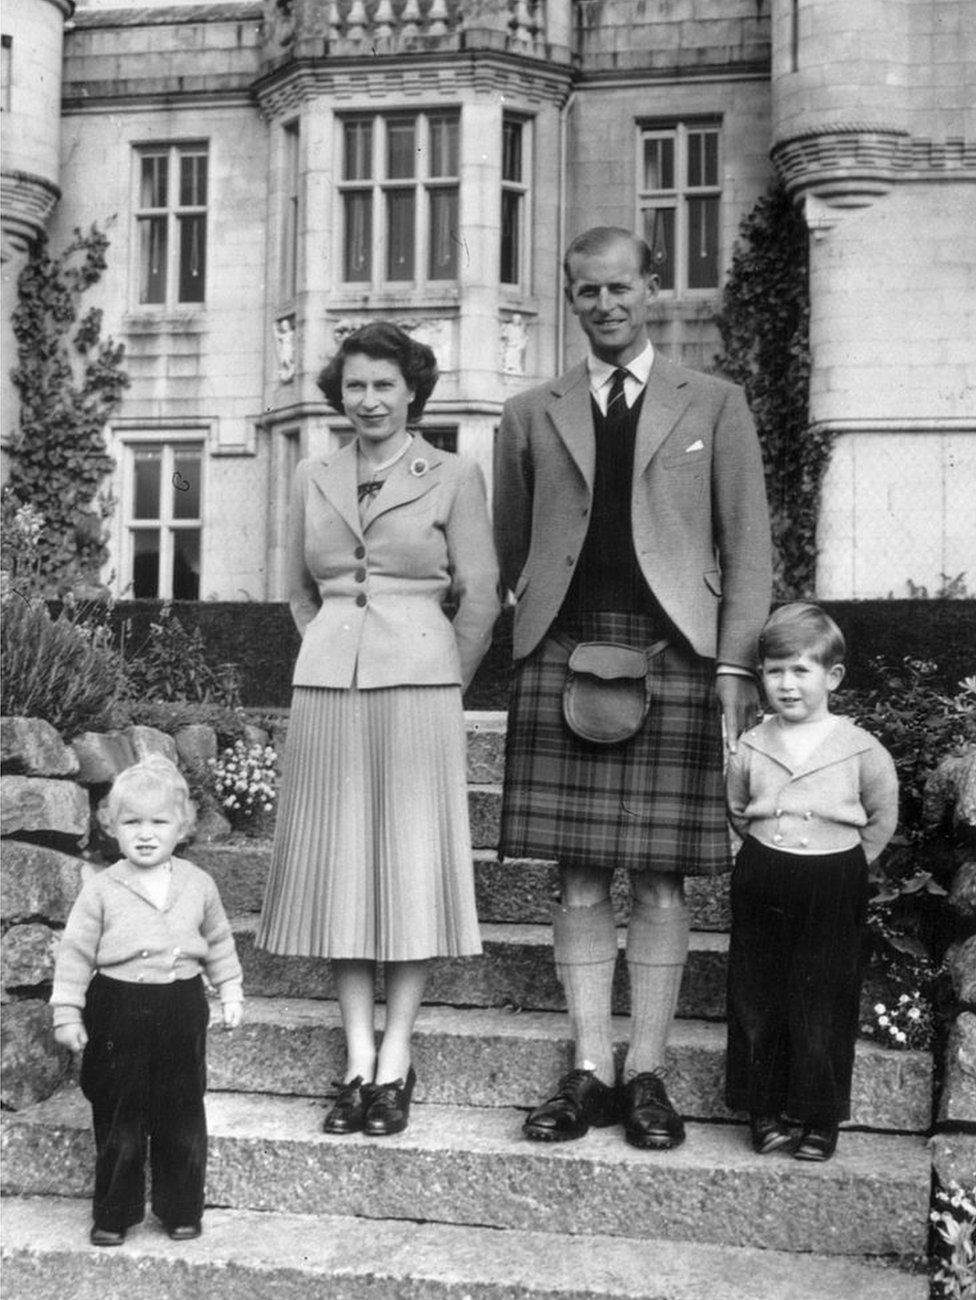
[{"x": 273, "y": 174}]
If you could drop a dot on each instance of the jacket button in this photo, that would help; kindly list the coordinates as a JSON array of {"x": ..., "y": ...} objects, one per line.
[
  {"x": 360, "y": 552},
  {"x": 569, "y": 560},
  {"x": 360, "y": 600},
  {"x": 360, "y": 575},
  {"x": 585, "y": 511}
]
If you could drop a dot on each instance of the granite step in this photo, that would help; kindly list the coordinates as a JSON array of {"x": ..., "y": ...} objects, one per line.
[
  {"x": 249, "y": 1255},
  {"x": 499, "y": 1058},
  {"x": 518, "y": 890},
  {"x": 516, "y": 969},
  {"x": 471, "y": 1166}
]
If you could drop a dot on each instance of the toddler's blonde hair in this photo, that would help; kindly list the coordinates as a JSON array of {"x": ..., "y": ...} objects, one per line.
[{"x": 150, "y": 775}]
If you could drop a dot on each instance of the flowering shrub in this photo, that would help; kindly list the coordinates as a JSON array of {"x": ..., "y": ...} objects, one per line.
[
  {"x": 906, "y": 1024},
  {"x": 245, "y": 781},
  {"x": 954, "y": 1219},
  {"x": 171, "y": 665}
]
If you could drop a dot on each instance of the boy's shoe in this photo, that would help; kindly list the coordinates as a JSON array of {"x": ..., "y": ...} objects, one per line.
[
  {"x": 769, "y": 1133},
  {"x": 106, "y": 1237},
  {"x": 650, "y": 1121},
  {"x": 817, "y": 1142},
  {"x": 184, "y": 1231},
  {"x": 581, "y": 1100}
]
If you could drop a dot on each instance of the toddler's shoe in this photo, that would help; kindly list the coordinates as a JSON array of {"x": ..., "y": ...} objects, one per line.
[
  {"x": 184, "y": 1231},
  {"x": 817, "y": 1142},
  {"x": 769, "y": 1133},
  {"x": 106, "y": 1237}
]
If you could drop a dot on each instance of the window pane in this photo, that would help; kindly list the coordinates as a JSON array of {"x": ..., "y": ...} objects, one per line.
[
  {"x": 153, "y": 181},
  {"x": 659, "y": 236},
  {"x": 358, "y": 159},
  {"x": 511, "y": 151},
  {"x": 442, "y": 264},
  {"x": 399, "y": 234},
  {"x": 400, "y": 148},
  {"x": 193, "y": 258},
  {"x": 147, "y": 466},
  {"x": 659, "y": 164},
  {"x": 145, "y": 563},
  {"x": 152, "y": 259},
  {"x": 193, "y": 180},
  {"x": 443, "y": 146},
  {"x": 187, "y": 466},
  {"x": 186, "y": 564},
  {"x": 702, "y": 158},
  {"x": 358, "y": 236},
  {"x": 289, "y": 216},
  {"x": 702, "y": 243},
  {"x": 511, "y": 236}
]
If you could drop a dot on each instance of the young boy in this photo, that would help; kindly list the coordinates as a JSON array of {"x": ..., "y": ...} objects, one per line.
[
  {"x": 128, "y": 993},
  {"x": 815, "y": 799}
]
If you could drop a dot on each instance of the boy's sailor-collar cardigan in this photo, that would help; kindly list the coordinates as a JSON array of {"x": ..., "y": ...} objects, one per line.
[
  {"x": 842, "y": 794},
  {"x": 114, "y": 927},
  {"x": 367, "y": 593}
]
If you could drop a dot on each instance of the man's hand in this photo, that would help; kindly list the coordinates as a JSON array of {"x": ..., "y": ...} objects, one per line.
[
  {"x": 72, "y": 1036},
  {"x": 739, "y": 698}
]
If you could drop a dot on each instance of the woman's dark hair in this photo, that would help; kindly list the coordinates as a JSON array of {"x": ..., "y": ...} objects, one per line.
[{"x": 384, "y": 341}]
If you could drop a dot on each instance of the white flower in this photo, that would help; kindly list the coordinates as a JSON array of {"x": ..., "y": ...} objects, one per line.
[
  {"x": 883, "y": 1021},
  {"x": 879, "y": 1008},
  {"x": 914, "y": 1013}
]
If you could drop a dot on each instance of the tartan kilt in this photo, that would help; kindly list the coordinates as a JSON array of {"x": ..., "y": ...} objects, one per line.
[{"x": 655, "y": 802}]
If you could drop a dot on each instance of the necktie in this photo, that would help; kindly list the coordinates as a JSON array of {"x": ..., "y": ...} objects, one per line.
[{"x": 616, "y": 401}]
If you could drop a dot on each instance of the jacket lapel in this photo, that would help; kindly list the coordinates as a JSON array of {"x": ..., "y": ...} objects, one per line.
[
  {"x": 665, "y": 397},
  {"x": 409, "y": 479},
  {"x": 335, "y": 478},
  {"x": 572, "y": 415},
  {"x": 840, "y": 743}
]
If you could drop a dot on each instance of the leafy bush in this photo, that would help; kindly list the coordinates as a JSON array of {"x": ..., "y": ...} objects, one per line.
[
  {"x": 61, "y": 669},
  {"x": 172, "y": 665}
]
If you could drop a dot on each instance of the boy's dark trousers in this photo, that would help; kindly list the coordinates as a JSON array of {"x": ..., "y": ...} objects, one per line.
[
  {"x": 794, "y": 982},
  {"x": 144, "y": 1072}
]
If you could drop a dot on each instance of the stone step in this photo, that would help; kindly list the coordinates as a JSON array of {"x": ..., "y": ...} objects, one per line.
[
  {"x": 518, "y": 890},
  {"x": 249, "y": 1255},
  {"x": 516, "y": 969},
  {"x": 486, "y": 1057},
  {"x": 471, "y": 1166}
]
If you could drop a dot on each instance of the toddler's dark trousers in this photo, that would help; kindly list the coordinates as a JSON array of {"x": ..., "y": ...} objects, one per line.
[
  {"x": 144, "y": 1072},
  {"x": 794, "y": 982}
]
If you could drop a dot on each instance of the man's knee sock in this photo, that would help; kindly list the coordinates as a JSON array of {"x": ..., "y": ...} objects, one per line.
[
  {"x": 657, "y": 946},
  {"x": 585, "y": 947}
]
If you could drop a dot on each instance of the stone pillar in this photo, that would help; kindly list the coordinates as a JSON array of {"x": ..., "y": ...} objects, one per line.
[{"x": 31, "y": 134}]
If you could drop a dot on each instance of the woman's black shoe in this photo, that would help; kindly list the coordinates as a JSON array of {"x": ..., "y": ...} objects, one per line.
[
  {"x": 769, "y": 1133},
  {"x": 389, "y": 1107},
  {"x": 106, "y": 1237},
  {"x": 349, "y": 1110},
  {"x": 817, "y": 1142}
]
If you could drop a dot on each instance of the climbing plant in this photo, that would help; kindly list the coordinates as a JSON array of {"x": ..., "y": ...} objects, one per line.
[
  {"x": 70, "y": 380},
  {"x": 764, "y": 327}
]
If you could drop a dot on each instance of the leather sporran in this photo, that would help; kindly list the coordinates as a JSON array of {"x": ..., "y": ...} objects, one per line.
[{"x": 606, "y": 695}]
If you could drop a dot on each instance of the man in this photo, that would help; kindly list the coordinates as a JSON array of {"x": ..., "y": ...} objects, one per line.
[{"x": 629, "y": 508}]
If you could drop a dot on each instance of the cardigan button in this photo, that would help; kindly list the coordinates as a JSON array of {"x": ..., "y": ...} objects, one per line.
[
  {"x": 803, "y": 843},
  {"x": 360, "y": 600},
  {"x": 360, "y": 575},
  {"x": 360, "y": 552},
  {"x": 777, "y": 839},
  {"x": 778, "y": 812}
]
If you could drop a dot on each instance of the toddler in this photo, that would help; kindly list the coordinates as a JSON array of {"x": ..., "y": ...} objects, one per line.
[
  {"x": 128, "y": 993},
  {"x": 815, "y": 799}
]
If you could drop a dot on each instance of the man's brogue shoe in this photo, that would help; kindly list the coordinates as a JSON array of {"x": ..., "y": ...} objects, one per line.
[
  {"x": 582, "y": 1100},
  {"x": 650, "y": 1121}
]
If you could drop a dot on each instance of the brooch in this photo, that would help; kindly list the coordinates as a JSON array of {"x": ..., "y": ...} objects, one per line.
[{"x": 418, "y": 467}]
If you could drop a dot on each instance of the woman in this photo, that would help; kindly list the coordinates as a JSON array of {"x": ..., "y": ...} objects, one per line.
[{"x": 372, "y": 854}]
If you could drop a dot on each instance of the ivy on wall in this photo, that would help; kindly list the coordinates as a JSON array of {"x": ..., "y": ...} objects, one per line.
[
  {"x": 764, "y": 327},
  {"x": 70, "y": 380}
]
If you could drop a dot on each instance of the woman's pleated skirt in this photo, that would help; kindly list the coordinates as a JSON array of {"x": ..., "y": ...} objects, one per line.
[{"x": 372, "y": 850}]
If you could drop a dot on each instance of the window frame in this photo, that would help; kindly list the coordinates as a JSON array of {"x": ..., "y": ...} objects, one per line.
[
  {"x": 381, "y": 187},
  {"x": 519, "y": 189},
  {"x": 173, "y": 212},
  {"x": 678, "y": 197},
  {"x": 172, "y": 444},
  {"x": 289, "y": 265}
]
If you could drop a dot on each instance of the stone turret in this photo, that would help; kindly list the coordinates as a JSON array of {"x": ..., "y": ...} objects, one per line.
[{"x": 33, "y": 33}]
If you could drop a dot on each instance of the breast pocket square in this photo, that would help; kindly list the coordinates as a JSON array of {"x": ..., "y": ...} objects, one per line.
[{"x": 697, "y": 445}]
